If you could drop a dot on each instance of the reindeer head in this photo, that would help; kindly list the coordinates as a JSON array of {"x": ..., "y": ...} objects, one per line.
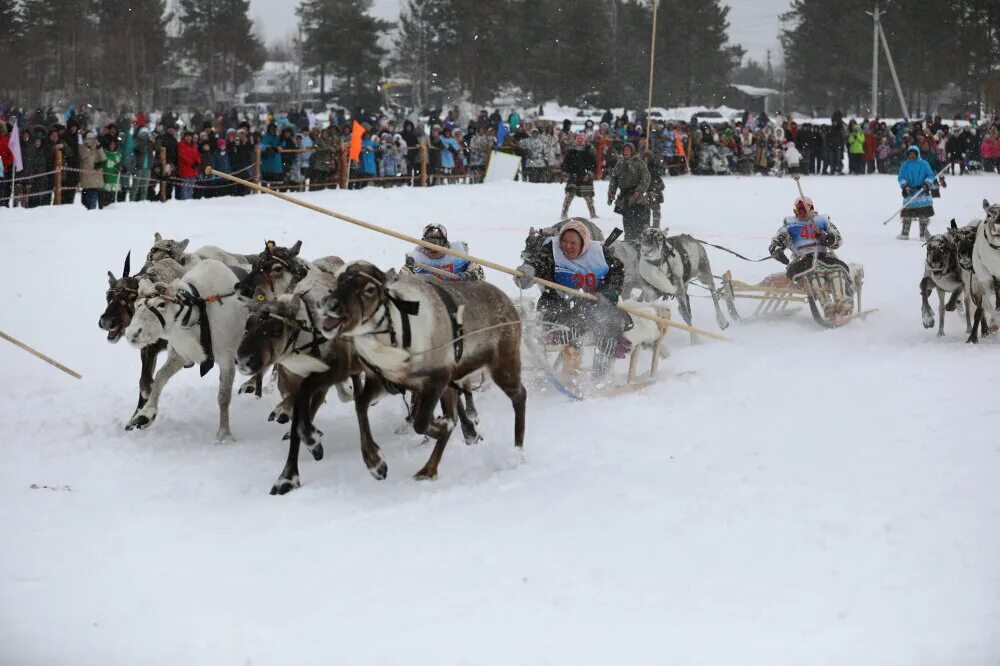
[
  {"x": 156, "y": 311},
  {"x": 532, "y": 244},
  {"x": 992, "y": 222},
  {"x": 267, "y": 333},
  {"x": 353, "y": 305},
  {"x": 272, "y": 273},
  {"x": 121, "y": 297},
  {"x": 964, "y": 240},
  {"x": 165, "y": 248},
  {"x": 941, "y": 252},
  {"x": 653, "y": 245}
]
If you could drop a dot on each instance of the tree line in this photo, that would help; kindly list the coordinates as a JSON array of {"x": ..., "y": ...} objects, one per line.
[
  {"x": 139, "y": 54},
  {"x": 934, "y": 45}
]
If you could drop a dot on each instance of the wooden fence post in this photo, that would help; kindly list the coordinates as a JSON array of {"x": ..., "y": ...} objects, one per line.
[
  {"x": 345, "y": 165},
  {"x": 423, "y": 165},
  {"x": 164, "y": 177},
  {"x": 58, "y": 179},
  {"x": 256, "y": 165}
]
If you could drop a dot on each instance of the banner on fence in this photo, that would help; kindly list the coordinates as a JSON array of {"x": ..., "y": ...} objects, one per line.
[{"x": 503, "y": 166}]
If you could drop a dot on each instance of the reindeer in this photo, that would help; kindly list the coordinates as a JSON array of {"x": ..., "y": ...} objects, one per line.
[
  {"x": 121, "y": 295},
  {"x": 282, "y": 331},
  {"x": 986, "y": 265},
  {"x": 167, "y": 248},
  {"x": 424, "y": 336},
  {"x": 668, "y": 264},
  {"x": 201, "y": 322},
  {"x": 943, "y": 273},
  {"x": 965, "y": 241}
]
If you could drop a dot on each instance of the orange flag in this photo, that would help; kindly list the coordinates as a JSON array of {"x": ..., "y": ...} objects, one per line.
[{"x": 357, "y": 132}]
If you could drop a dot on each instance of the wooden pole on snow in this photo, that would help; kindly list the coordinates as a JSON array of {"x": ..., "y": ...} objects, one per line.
[
  {"x": 636, "y": 312},
  {"x": 35, "y": 352}
]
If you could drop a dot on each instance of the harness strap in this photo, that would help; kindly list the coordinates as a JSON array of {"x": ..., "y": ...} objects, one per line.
[
  {"x": 455, "y": 313},
  {"x": 685, "y": 260},
  {"x": 406, "y": 310}
]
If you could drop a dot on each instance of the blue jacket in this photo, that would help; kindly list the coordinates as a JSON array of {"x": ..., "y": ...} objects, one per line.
[
  {"x": 270, "y": 163},
  {"x": 368, "y": 157},
  {"x": 448, "y": 157},
  {"x": 916, "y": 173}
]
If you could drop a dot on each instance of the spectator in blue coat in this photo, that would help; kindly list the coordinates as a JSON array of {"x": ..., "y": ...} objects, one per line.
[
  {"x": 916, "y": 179},
  {"x": 449, "y": 148},
  {"x": 270, "y": 158}
]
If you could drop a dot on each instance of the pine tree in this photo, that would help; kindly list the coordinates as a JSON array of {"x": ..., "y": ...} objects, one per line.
[
  {"x": 341, "y": 35},
  {"x": 133, "y": 43},
  {"x": 218, "y": 42},
  {"x": 11, "y": 36},
  {"x": 420, "y": 49}
]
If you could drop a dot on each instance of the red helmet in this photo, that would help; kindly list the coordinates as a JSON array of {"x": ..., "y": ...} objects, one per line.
[{"x": 803, "y": 206}]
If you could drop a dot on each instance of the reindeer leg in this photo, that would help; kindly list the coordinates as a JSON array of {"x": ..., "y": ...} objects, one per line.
[
  {"x": 424, "y": 423},
  {"x": 469, "y": 430},
  {"x": 968, "y": 312},
  {"x": 941, "y": 311},
  {"x": 506, "y": 374},
  {"x": 706, "y": 278},
  {"x": 148, "y": 356},
  {"x": 288, "y": 387},
  {"x": 684, "y": 305},
  {"x": 227, "y": 374},
  {"x": 288, "y": 480},
  {"x": 976, "y": 320},
  {"x": 144, "y": 417},
  {"x": 926, "y": 313},
  {"x": 364, "y": 394},
  {"x": 470, "y": 403}
]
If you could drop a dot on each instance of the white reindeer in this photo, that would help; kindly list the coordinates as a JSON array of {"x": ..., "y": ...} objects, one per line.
[
  {"x": 986, "y": 263},
  {"x": 202, "y": 322}
]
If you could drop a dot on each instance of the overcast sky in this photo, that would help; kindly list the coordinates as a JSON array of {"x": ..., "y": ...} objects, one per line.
[{"x": 753, "y": 23}]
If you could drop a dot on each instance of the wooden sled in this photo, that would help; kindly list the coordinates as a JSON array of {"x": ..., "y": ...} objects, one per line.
[
  {"x": 776, "y": 292},
  {"x": 562, "y": 363}
]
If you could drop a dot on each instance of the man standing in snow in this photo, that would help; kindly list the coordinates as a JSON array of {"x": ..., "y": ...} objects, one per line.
[
  {"x": 916, "y": 178},
  {"x": 630, "y": 179},
  {"x": 579, "y": 165}
]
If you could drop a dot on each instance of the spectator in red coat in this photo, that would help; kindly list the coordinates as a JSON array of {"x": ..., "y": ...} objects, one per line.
[
  {"x": 188, "y": 161},
  {"x": 871, "y": 145}
]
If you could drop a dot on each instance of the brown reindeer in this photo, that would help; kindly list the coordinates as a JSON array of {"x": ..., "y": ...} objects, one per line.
[{"x": 424, "y": 336}]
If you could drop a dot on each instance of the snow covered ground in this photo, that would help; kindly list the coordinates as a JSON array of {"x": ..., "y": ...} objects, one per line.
[{"x": 805, "y": 497}]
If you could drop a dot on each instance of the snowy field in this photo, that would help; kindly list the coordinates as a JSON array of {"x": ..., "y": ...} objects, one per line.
[{"x": 805, "y": 497}]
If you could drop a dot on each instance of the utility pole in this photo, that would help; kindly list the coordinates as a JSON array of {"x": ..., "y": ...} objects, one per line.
[
  {"x": 875, "y": 31},
  {"x": 892, "y": 70},
  {"x": 652, "y": 61}
]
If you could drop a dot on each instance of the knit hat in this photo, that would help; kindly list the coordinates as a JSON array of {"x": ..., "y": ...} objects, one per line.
[
  {"x": 913, "y": 149},
  {"x": 577, "y": 225},
  {"x": 220, "y": 144},
  {"x": 91, "y": 135}
]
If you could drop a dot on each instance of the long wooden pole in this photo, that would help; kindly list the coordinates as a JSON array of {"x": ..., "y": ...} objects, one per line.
[
  {"x": 34, "y": 352},
  {"x": 637, "y": 312},
  {"x": 652, "y": 61}
]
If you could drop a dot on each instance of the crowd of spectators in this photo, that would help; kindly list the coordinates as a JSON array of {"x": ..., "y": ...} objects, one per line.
[{"x": 139, "y": 156}]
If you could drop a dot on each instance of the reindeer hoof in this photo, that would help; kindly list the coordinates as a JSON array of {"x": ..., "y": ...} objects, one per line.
[
  {"x": 287, "y": 436},
  {"x": 928, "y": 323},
  {"x": 283, "y": 418},
  {"x": 723, "y": 325},
  {"x": 283, "y": 486},
  {"x": 474, "y": 438},
  {"x": 316, "y": 450},
  {"x": 426, "y": 475},
  {"x": 940, "y": 334},
  {"x": 379, "y": 471},
  {"x": 223, "y": 437},
  {"x": 140, "y": 421}
]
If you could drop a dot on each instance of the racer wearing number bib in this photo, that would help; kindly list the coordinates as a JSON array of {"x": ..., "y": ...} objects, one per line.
[
  {"x": 806, "y": 239},
  {"x": 421, "y": 256},
  {"x": 587, "y": 271}
]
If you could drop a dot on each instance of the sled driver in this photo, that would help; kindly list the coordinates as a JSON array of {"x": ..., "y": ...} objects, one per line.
[
  {"x": 420, "y": 255},
  {"x": 574, "y": 260},
  {"x": 812, "y": 237}
]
